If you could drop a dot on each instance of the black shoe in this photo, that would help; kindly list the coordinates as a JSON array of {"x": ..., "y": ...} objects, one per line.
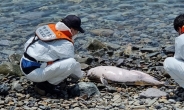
[
  {"x": 39, "y": 91},
  {"x": 43, "y": 88}
]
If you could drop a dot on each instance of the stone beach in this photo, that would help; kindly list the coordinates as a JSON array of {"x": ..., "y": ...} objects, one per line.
[{"x": 130, "y": 34}]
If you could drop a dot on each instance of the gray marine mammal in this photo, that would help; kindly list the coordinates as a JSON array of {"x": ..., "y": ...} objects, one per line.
[{"x": 120, "y": 75}]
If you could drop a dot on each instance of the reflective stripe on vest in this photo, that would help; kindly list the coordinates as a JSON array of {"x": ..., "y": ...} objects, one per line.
[{"x": 49, "y": 33}]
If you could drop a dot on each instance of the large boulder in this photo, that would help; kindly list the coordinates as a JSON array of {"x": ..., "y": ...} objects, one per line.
[
  {"x": 83, "y": 88},
  {"x": 95, "y": 44},
  {"x": 12, "y": 67}
]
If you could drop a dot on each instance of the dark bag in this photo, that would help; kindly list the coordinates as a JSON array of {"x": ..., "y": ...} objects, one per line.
[{"x": 28, "y": 66}]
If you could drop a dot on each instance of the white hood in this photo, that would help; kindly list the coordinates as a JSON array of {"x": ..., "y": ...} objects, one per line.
[{"x": 60, "y": 26}]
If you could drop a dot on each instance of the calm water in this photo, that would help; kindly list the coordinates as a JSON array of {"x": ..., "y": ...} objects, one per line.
[{"x": 128, "y": 18}]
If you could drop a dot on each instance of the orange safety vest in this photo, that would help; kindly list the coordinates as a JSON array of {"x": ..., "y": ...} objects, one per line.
[{"x": 49, "y": 33}]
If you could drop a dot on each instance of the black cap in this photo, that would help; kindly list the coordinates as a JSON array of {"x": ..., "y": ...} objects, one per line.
[{"x": 72, "y": 21}]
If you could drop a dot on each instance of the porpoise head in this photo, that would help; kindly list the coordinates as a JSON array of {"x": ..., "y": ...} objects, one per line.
[{"x": 91, "y": 75}]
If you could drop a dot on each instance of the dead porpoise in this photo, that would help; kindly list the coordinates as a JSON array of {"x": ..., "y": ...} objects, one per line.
[{"x": 120, "y": 75}]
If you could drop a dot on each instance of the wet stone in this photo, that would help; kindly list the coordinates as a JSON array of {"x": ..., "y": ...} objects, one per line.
[
  {"x": 102, "y": 32},
  {"x": 169, "y": 49},
  {"x": 95, "y": 45},
  {"x": 153, "y": 92},
  {"x": 2, "y": 102},
  {"x": 4, "y": 42},
  {"x": 17, "y": 86},
  {"x": 77, "y": 108}
]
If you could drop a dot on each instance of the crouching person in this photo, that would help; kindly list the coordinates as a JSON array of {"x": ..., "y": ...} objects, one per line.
[
  {"x": 49, "y": 55},
  {"x": 175, "y": 65}
]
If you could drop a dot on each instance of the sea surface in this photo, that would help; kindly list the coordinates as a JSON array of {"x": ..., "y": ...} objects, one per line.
[{"x": 131, "y": 20}]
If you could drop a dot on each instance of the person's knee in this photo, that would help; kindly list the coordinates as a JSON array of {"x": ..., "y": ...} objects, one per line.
[
  {"x": 68, "y": 61},
  {"x": 71, "y": 63},
  {"x": 72, "y": 60}
]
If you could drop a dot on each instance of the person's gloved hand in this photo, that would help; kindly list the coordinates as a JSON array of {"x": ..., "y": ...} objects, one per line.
[{"x": 73, "y": 78}]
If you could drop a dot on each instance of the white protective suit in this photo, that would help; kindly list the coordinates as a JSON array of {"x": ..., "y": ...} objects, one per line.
[
  {"x": 175, "y": 65},
  {"x": 50, "y": 51}
]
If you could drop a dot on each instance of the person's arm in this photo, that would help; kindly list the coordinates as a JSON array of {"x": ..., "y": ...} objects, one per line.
[
  {"x": 77, "y": 72},
  {"x": 182, "y": 52},
  {"x": 27, "y": 43},
  {"x": 179, "y": 48}
]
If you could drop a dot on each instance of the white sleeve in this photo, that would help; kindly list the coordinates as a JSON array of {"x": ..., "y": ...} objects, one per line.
[
  {"x": 27, "y": 43},
  {"x": 182, "y": 52},
  {"x": 179, "y": 47}
]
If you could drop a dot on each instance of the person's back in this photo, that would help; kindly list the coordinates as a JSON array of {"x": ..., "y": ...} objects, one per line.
[{"x": 52, "y": 50}]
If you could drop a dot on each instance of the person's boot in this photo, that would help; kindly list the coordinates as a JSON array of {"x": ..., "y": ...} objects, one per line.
[
  {"x": 43, "y": 88},
  {"x": 40, "y": 88},
  {"x": 62, "y": 86}
]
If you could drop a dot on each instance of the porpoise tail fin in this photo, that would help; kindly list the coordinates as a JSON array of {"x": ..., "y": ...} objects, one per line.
[{"x": 148, "y": 78}]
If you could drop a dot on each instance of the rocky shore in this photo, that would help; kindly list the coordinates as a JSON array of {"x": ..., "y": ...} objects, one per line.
[
  {"x": 130, "y": 34},
  {"x": 21, "y": 93}
]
